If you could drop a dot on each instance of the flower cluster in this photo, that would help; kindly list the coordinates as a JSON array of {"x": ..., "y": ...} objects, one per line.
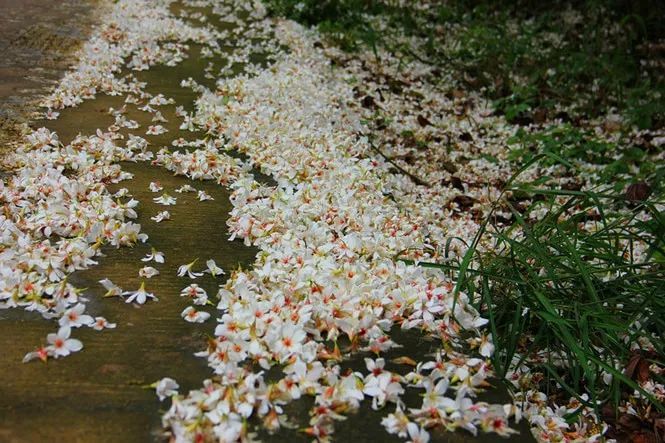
[
  {"x": 143, "y": 32},
  {"x": 328, "y": 232},
  {"x": 57, "y": 213}
]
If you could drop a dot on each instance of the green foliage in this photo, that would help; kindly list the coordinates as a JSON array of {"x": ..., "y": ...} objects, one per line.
[
  {"x": 645, "y": 105},
  {"x": 615, "y": 164},
  {"x": 583, "y": 295},
  {"x": 564, "y": 141},
  {"x": 528, "y": 62}
]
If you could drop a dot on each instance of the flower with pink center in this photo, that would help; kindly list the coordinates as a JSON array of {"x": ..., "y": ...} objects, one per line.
[
  {"x": 375, "y": 367},
  {"x": 156, "y": 130},
  {"x": 60, "y": 345},
  {"x": 196, "y": 293},
  {"x": 74, "y": 317},
  {"x": 101, "y": 323},
  {"x": 289, "y": 341},
  {"x": 191, "y": 315},
  {"x": 41, "y": 353}
]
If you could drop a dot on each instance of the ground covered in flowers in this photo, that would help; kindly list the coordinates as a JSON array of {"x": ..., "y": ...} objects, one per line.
[{"x": 358, "y": 184}]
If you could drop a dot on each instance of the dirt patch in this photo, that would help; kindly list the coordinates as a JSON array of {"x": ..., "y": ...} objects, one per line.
[{"x": 39, "y": 41}]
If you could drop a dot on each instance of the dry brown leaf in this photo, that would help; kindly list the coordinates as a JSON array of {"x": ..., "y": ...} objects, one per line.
[
  {"x": 643, "y": 437},
  {"x": 422, "y": 121},
  {"x": 404, "y": 360},
  {"x": 638, "y": 192}
]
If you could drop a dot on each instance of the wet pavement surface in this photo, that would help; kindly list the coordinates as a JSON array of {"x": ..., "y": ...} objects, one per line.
[{"x": 37, "y": 41}]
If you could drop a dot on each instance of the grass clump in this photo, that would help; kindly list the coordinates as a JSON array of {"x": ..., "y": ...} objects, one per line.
[
  {"x": 616, "y": 164},
  {"x": 577, "y": 292},
  {"x": 574, "y": 287}
]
